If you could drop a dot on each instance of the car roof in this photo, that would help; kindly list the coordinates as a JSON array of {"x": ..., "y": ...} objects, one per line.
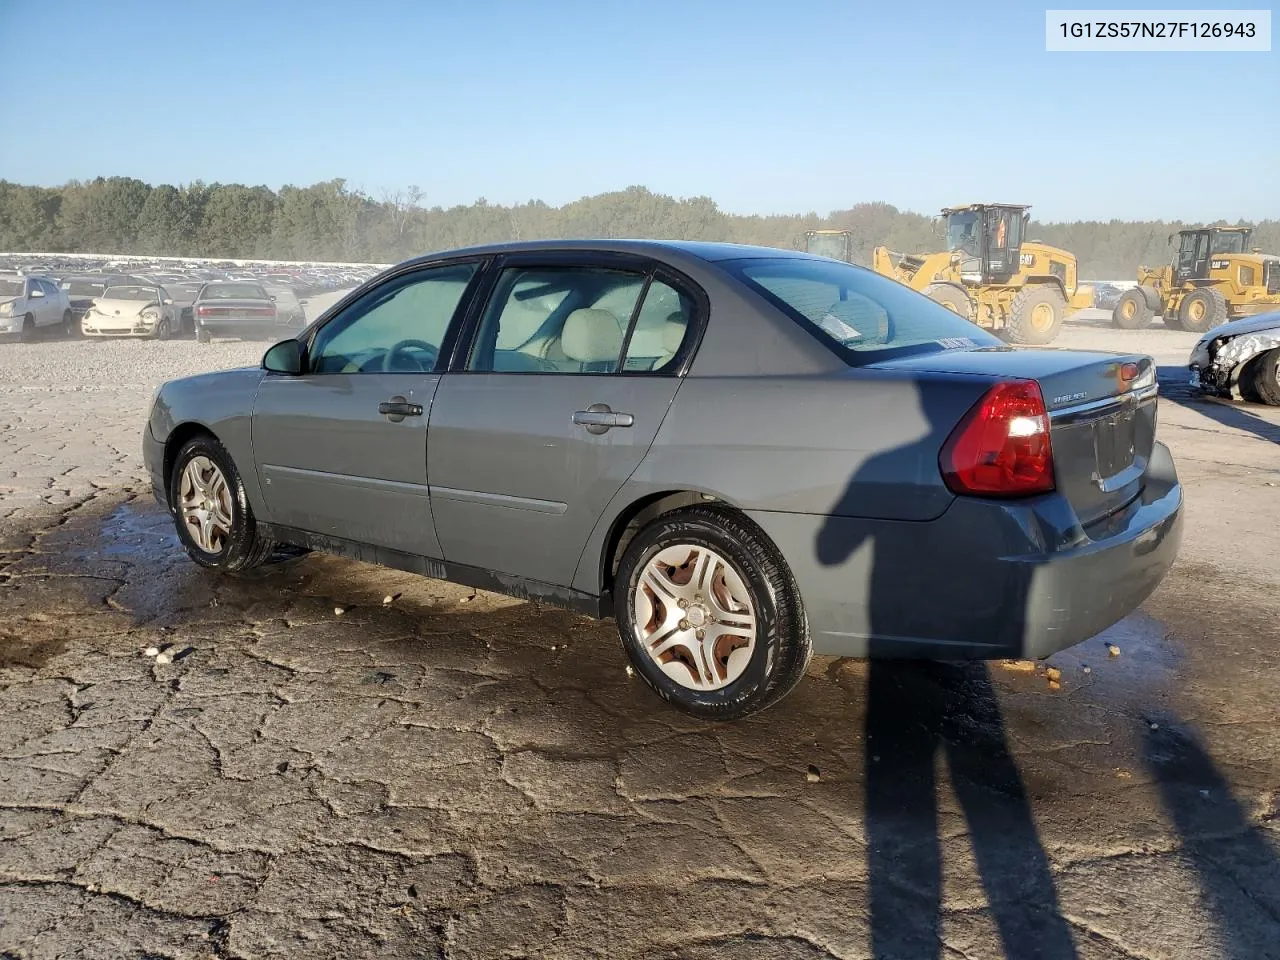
[{"x": 710, "y": 251}]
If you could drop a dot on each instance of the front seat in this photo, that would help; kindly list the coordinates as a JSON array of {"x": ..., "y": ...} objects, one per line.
[{"x": 592, "y": 338}]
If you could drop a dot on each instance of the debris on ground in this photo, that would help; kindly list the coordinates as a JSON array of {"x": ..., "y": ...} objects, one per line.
[
  {"x": 1018, "y": 666},
  {"x": 339, "y": 611},
  {"x": 813, "y": 775},
  {"x": 151, "y": 652},
  {"x": 1053, "y": 674},
  {"x": 630, "y": 671},
  {"x": 165, "y": 657},
  {"x": 1055, "y": 685},
  {"x": 1086, "y": 669},
  {"x": 1113, "y": 650}
]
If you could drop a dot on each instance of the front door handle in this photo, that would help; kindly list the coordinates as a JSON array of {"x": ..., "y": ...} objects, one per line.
[
  {"x": 397, "y": 408},
  {"x": 599, "y": 418}
]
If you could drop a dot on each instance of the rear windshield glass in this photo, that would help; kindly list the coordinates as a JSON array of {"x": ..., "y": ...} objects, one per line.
[
  {"x": 864, "y": 316},
  {"x": 233, "y": 291}
]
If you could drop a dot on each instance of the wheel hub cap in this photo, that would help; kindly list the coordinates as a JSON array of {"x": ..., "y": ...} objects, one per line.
[
  {"x": 694, "y": 616},
  {"x": 204, "y": 503}
]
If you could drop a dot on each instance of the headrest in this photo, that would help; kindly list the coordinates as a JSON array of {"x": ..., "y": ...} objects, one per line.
[{"x": 591, "y": 336}]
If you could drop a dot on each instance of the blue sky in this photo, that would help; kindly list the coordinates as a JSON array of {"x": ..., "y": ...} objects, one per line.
[{"x": 763, "y": 106}]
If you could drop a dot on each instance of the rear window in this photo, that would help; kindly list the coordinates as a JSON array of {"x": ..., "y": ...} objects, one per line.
[
  {"x": 862, "y": 315},
  {"x": 233, "y": 291}
]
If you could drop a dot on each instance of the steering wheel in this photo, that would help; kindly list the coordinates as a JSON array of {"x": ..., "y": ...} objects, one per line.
[{"x": 390, "y": 358}]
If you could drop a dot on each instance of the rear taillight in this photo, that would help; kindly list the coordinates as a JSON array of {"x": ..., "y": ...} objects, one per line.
[{"x": 1001, "y": 447}]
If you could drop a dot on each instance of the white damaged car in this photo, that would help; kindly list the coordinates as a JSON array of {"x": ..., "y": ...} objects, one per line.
[
  {"x": 1243, "y": 354},
  {"x": 132, "y": 310}
]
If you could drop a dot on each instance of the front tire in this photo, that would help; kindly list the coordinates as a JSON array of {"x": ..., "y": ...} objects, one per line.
[
  {"x": 709, "y": 614},
  {"x": 1131, "y": 312},
  {"x": 70, "y": 328},
  {"x": 1260, "y": 379},
  {"x": 1202, "y": 309},
  {"x": 211, "y": 511},
  {"x": 28, "y": 328},
  {"x": 1036, "y": 314},
  {"x": 162, "y": 329}
]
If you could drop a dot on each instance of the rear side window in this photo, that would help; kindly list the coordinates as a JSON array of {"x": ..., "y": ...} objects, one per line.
[
  {"x": 556, "y": 320},
  {"x": 865, "y": 317},
  {"x": 660, "y": 328}
]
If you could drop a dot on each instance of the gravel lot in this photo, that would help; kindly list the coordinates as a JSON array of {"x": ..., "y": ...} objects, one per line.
[{"x": 461, "y": 775}]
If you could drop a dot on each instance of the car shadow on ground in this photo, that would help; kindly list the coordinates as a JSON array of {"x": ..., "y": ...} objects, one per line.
[{"x": 1238, "y": 416}]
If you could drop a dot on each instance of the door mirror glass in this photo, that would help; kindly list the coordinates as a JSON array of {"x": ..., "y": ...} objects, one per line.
[
  {"x": 284, "y": 357},
  {"x": 168, "y": 303},
  {"x": 36, "y": 292}
]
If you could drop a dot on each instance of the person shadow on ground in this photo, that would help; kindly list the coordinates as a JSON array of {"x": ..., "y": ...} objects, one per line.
[{"x": 917, "y": 710}]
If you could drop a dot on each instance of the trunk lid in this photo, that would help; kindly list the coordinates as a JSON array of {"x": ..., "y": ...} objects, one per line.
[
  {"x": 1102, "y": 413},
  {"x": 219, "y": 309}
]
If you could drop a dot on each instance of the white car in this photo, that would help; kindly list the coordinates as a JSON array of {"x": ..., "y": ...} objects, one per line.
[
  {"x": 132, "y": 310},
  {"x": 1244, "y": 354},
  {"x": 27, "y": 303}
]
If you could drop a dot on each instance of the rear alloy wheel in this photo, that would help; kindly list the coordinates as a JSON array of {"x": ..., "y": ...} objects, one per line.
[
  {"x": 211, "y": 511},
  {"x": 1202, "y": 309},
  {"x": 1260, "y": 378},
  {"x": 951, "y": 297},
  {"x": 1036, "y": 314},
  {"x": 1131, "y": 312},
  {"x": 710, "y": 615}
]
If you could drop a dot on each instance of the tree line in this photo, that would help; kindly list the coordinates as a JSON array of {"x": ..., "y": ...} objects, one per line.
[{"x": 332, "y": 221}]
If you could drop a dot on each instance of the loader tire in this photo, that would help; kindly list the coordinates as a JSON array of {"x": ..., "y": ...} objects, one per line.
[
  {"x": 951, "y": 297},
  {"x": 1131, "y": 312},
  {"x": 1202, "y": 309},
  {"x": 1036, "y": 314}
]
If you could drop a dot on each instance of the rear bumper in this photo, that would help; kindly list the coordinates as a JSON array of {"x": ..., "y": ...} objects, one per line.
[
  {"x": 987, "y": 579},
  {"x": 250, "y": 329}
]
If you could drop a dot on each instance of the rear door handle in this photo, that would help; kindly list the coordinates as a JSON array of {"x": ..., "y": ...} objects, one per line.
[
  {"x": 397, "y": 408},
  {"x": 599, "y": 418}
]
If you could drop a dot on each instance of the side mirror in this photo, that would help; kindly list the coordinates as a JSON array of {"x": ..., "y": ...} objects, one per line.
[
  {"x": 272, "y": 299},
  {"x": 284, "y": 357},
  {"x": 36, "y": 294},
  {"x": 168, "y": 303}
]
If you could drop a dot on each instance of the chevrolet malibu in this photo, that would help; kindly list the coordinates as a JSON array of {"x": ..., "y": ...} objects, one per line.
[{"x": 744, "y": 455}]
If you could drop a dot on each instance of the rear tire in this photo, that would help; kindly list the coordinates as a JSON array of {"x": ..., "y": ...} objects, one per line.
[
  {"x": 747, "y": 669},
  {"x": 951, "y": 297},
  {"x": 202, "y": 335},
  {"x": 230, "y": 543},
  {"x": 1202, "y": 309},
  {"x": 1260, "y": 378},
  {"x": 1036, "y": 314},
  {"x": 1131, "y": 312}
]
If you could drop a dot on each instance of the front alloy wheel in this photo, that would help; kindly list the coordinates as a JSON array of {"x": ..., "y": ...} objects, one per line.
[
  {"x": 210, "y": 509},
  {"x": 709, "y": 613}
]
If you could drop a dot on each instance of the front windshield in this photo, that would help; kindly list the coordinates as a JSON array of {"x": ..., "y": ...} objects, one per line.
[
  {"x": 826, "y": 245},
  {"x": 131, "y": 293},
  {"x": 10, "y": 287},
  {"x": 233, "y": 291},
  {"x": 867, "y": 317},
  {"x": 962, "y": 231},
  {"x": 1232, "y": 242}
]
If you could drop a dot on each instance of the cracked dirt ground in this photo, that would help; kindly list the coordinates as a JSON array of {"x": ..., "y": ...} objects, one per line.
[{"x": 462, "y": 775}]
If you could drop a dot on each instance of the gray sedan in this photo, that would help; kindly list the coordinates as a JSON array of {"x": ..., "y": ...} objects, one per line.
[{"x": 744, "y": 455}]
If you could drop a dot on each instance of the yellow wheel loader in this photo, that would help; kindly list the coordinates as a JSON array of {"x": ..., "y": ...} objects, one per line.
[
  {"x": 989, "y": 273},
  {"x": 1210, "y": 281}
]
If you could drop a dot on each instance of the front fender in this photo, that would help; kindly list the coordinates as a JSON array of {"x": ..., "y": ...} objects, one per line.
[{"x": 218, "y": 403}]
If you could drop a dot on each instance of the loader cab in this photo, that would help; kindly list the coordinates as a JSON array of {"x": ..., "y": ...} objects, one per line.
[
  {"x": 1197, "y": 248},
  {"x": 836, "y": 244},
  {"x": 988, "y": 240}
]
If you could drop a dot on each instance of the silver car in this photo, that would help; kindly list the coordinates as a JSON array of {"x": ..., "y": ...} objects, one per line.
[
  {"x": 28, "y": 303},
  {"x": 745, "y": 455},
  {"x": 1243, "y": 354}
]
